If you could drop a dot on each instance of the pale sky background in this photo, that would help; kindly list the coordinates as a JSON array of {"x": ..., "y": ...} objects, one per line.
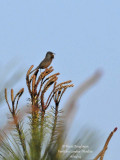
[{"x": 85, "y": 35}]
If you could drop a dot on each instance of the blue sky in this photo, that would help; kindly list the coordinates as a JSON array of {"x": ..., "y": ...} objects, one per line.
[{"x": 85, "y": 35}]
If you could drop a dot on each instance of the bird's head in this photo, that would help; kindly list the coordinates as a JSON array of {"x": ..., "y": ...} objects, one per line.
[{"x": 50, "y": 55}]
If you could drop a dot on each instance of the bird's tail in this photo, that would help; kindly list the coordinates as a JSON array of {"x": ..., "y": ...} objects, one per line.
[{"x": 34, "y": 70}]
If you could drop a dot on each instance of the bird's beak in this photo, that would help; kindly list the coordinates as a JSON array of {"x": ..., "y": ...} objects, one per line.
[{"x": 53, "y": 55}]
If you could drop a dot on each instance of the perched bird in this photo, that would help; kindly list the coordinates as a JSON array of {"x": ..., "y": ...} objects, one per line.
[{"x": 46, "y": 61}]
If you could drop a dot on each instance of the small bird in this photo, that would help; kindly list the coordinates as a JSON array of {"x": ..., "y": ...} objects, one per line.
[{"x": 46, "y": 61}]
